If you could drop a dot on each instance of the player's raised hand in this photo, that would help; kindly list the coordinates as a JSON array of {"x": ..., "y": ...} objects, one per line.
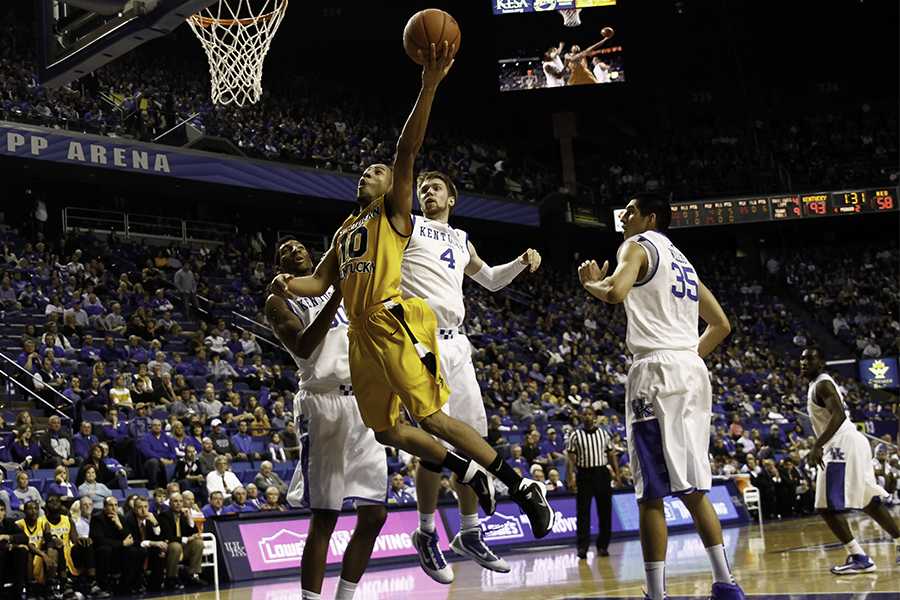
[
  {"x": 589, "y": 272},
  {"x": 438, "y": 64},
  {"x": 532, "y": 258}
]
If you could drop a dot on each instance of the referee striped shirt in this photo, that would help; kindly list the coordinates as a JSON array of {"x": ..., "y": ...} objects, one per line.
[{"x": 590, "y": 448}]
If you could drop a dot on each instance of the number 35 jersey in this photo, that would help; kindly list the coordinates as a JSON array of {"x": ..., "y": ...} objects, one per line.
[
  {"x": 663, "y": 307},
  {"x": 434, "y": 265},
  {"x": 369, "y": 252}
]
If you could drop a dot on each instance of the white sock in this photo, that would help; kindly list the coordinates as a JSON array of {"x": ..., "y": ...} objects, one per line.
[
  {"x": 426, "y": 522},
  {"x": 345, "y": 590},
  {"x": 656, "y": 579},
  {"x": 853, "y": 547},
  {"x": 468, "y": 521},
  {"x": 307, "y": 595},
  {"x": 721, "y": 570}
]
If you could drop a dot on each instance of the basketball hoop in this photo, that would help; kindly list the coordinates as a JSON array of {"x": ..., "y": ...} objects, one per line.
[
  {"x": 236, "y": 39},
  {"x": 571, "y": 16}
]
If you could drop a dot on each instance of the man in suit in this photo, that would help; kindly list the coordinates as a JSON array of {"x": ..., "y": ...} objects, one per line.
[
  {"x": 147, "y": 534},
  {"x": 267, "y": 478},
  {"x": 119, "y": 559},
  {"x": 185, "y": 543}
]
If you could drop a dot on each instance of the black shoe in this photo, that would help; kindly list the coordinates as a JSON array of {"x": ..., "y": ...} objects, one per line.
[
  {"x": 532, "y": 499},
  {"x": 582, "y": 555},
  {"x": 173, "y": 585},
  {"x": 195, "y": 581},
  {"x": 483, "y": 485},
  {"x": 602, "y": 552}
]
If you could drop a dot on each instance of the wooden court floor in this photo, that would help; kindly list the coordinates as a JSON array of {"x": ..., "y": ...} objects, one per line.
[{"x": 790, "y": 558}]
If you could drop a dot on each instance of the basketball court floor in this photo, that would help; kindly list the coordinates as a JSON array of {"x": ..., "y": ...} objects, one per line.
[{"x": 782, "y": 560}]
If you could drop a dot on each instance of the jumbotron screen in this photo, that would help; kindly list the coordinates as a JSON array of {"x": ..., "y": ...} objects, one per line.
[{"x": 558, "y": 43}]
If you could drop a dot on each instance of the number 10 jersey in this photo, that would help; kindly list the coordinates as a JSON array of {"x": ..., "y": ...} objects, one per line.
[
  {"x": 663, "y": 307},
  {"x": 434, "y": 265}
]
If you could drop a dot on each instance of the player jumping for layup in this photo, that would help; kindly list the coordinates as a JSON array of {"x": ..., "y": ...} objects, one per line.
[
  {"x": 394, "y": 356},
  {"x": 846, "y": 479},
  {"x": 345, "y": 460},
  {"x": 434, "y": 263},
  {"x": 668, "y": 398}
]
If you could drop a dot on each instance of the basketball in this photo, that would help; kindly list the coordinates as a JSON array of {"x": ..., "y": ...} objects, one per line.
[
  {"x": 607, "y": 32},
  {"x": 426, "y": 27}
]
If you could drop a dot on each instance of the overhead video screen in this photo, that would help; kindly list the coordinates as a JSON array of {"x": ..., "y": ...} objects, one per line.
[{"x": 558, "y": 43}]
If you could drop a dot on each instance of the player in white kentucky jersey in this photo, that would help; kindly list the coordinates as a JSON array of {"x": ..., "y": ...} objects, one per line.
[
  {"x": 668, "y": 398},
  {"x": 846, "y": 478},
  {"x": 344, "y": 459},
  {"x": 435, "y": 262},
  {"x": 553, "y": 67}
]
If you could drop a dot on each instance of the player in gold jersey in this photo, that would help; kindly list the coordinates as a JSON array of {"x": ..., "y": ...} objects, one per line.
[{"x": 393, "y": 345}]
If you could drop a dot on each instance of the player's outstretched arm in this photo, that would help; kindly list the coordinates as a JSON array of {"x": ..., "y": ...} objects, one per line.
[
  {"x": 717, "y": 325},
  {"x": 400, "y": 199},
  {"x": 290, "y": 330},
  {"x": 613, "y": 289},
  {"x": 828, "y": 397},
  {"x": 497, "y": 278},
  {"x": 590, "y": 50},
  {"x": 310, "y": 285}
]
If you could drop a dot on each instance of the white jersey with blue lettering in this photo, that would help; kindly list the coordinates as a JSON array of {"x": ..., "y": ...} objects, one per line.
[
  {"x": 434, "y": 265},
  {"x": 328, "y": 367},
  {"x": 819, "y": 416},
  {"x": 663, "y": 307}
]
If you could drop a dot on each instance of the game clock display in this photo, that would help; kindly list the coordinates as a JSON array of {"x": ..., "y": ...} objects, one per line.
[{"x": 779, "y": 208}]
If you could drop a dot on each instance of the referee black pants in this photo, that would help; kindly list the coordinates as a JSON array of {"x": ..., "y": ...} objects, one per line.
[{"x": 593, "y": 484}]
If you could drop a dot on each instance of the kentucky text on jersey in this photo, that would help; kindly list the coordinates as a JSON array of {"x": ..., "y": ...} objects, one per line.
[{"x": 431, "y": 233}]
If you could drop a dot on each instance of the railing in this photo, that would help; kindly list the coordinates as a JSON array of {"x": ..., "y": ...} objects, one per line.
[
  {"x": 130, "y": 225},
  {"x": 6, "y": 361}
]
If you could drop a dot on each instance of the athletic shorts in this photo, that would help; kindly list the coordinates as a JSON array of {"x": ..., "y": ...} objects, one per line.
[
  {"x": 465, "y": 403},
  {"x": 848, "y": 479},
  {"x": 341, "y": 459},
  {"x": 668, "y": 408},
  {"x": 394, "y": 359}
]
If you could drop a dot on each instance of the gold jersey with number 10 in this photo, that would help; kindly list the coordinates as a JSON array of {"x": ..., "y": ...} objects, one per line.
[{"x": 369, "y": 253}]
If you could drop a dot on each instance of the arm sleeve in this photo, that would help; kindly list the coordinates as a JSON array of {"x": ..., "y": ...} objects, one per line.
[{"x": 497, "y": 278}]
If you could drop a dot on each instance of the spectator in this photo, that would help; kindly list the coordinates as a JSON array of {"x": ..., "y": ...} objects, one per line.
[
  {"x": 147, "y": 533},
  {"x": 62, "y": 487},
  {"x": 56, "y": 445},
  {"x": 186, "y": 284},
  {"x": 185, "y": 543},
  {"x": 25, "y": 450},
  {"x": 120, "y": 393},
  {"x": 267, "y": 478},
  {"x": 189, "y": 473},
  {"x": 208, "y": 456},
  {"x": 242, "y": 442},
  {"x": 216, "y": 505},
  {"x": 222, "y": 479},
  {"x": 239, "y": 503},
  {"x": 157, "y": 450},
  {"x": 273, "y": 501},
  {"x": 221, "y": 441},
  {"x": 24, "y": 492},
  {"x": 276, "y": 450},
  {"x": 84, "y": 440},
  {"x": 399, "y": 492},
  {"x": 98, "y": 492}
]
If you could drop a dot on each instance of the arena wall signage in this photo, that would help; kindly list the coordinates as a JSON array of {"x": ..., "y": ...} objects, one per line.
[
  {"x": 259, "y": 546},
  {"x": 40, "y": 143},
  {"x": 879, "y": 373}
]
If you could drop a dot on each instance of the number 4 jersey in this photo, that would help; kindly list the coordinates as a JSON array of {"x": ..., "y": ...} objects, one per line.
[
  {"x": 663, "y": 307},
  {"x": 434, "y": 265}
]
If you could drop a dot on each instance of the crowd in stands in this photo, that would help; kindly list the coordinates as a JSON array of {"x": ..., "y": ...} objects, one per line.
[
  {"x": 177, "y": 409},
  {"x": 852, "y": 290}
]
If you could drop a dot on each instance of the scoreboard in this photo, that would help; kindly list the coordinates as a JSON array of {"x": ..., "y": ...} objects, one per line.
[{"x": 780, "y": 208}]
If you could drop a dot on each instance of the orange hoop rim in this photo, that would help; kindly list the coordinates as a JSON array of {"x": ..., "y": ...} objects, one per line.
[{"x": 205, "y": 22}]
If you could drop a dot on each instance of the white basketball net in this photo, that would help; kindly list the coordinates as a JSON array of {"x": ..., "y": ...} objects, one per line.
[
  {"x": 571, "y": 16},
  {"x": 236, "y": 35}
]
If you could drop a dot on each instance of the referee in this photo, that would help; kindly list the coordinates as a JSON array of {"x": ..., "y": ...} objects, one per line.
[{"x": 590, "y": 460}]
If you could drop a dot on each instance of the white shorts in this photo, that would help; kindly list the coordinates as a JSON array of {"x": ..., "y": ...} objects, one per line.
[
  {"x": 465, "y": 403},
  {"x": 848, "y": 479},
  {"x": 341, "y": 459},
  {"x": 668, "y": 408}
]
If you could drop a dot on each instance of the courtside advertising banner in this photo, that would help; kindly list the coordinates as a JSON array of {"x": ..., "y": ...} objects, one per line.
[
  {"x": 879, "y": 373},
  {"x": 265, "y": 547}
]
